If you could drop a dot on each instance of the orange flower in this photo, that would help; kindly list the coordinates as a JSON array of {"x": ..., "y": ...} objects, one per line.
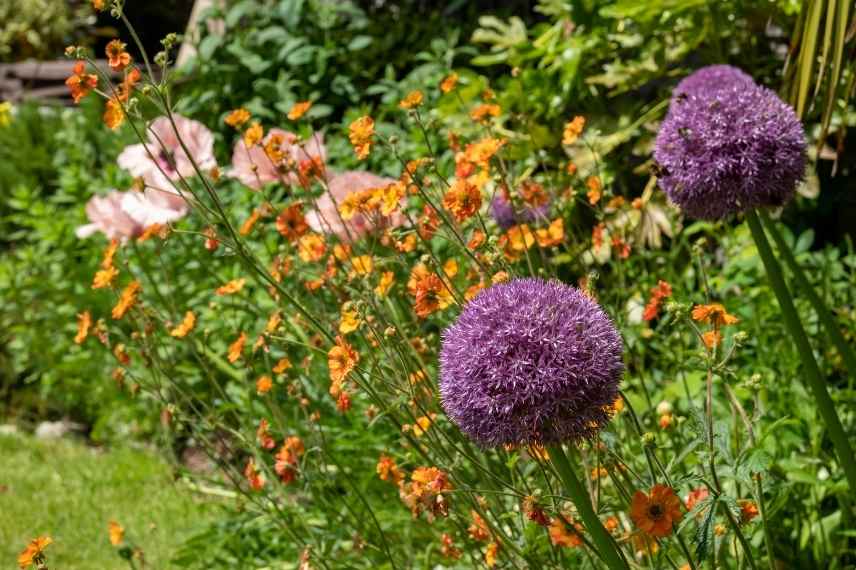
[
  {"x": 254, "y": 478},
  {"x": 478, "y": 530},
  {"x": 412, "y": 100},
  {"x": 424, "y": 492},
  {"x": 186, "y": 325},
  {"x": 595, "y": 189},
  {"x": 387, "y": 469},
  {"x": 116, "y": 532},
  {"x": 360, "y": 133},
  {"x": 561, "y": 535},
  {"x": 695, "y": 496},
  {"x": 266, "y": 441},
  {"x": 288, "y": 459},
  {"x": 248, "y": 224},
  {"x": 714, "y": 314},
  {"x": 449, "y": 82},
  {"x": 34, "y": 553},
  {"x": 298, "y": 110},
  {"x": 448, "y": 548},
  {"x": 311, "y": 247},
  {"x": 81, "y": 83},
  {"x": 431, "y": 295},
  {"x": 462, "y": 199},
  {"x": 656, "y": 513},
  {"x": 387, "y": 278},
  {"x": 712, "y": 338},
  {"x": 253, "y": 135},
  {"x": 658, "y": 293},
  {"x": 597, "y": 235},
  {"x": 573, "y": 130},
  {"x": 552, "y": 235},
  {"x": 534, "y": 512},
  {"x": 349, "y": 320},
  {"x": 490, "y": 554},
  {"x": 123, "y": 91},
  {"x": 422, "y": 425},
  {"x": 114, "y": 115},
  {"x": 485, "y": 111},
  {"x": 748, "y": 510},
  {"x": 237, "y": 117},
  {"x": 84, "y": 321},
  {"x": 361, "y": 265},
  {"x": 117, "y": 58},
  {"x": 281, "y": 366},
  {"x": 341, "y": 359},
  {"x": 263, "y": 385},
  {"x": 127, "y": 299},
  {"x": 237, "y": 348},
  {"x": 231, "y": 287},
  {"x": 291, "y": 223},
  {"x": 99, "y": 5}
]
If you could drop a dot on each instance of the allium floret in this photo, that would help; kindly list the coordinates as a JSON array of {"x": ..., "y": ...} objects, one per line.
[
  {"x": 530, "y": 361},
  {"x": 728, "y": 145}
]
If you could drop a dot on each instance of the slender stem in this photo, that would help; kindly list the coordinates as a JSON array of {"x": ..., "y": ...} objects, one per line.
[
  {"x": 607, "y": 549},
  {"x": 811, "y": 370},
  {"x": 848, "y": 355}
]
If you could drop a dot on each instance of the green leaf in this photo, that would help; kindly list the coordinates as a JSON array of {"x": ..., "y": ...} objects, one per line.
[{"x": 359, "y": 42}]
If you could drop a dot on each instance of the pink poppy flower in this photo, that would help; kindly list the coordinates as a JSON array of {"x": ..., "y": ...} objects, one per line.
[
  {"x": 162, "y": 160},
  {"x": 325, "y": 217},
  {"x": 254, "y": 168},
  {"x": 107, "y": 215}
]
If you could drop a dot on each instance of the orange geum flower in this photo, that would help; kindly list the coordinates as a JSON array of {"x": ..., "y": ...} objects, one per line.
[
  {"x": 712, "y": 338},
  {"x": 311, "y": 247},
  {"x": 387, "y": 278},
  {"x": 123, "y": 91},
  {"x": 657, "y": 512},
  {"x": 253, "y": 135},
  {"x": 573, "y": 130},
  {"x": 282, "y": 365},
  {"x": 263, "y": 436},
  {"x": 34, "y": 552},
  {"x": 561, "y": 535},
  {"x": 291, "y": 223},
  {"x": 237, "y": 117},
  {"x": 425, "y": 491},
  {"x": 422, "y": 425},
  {"x": 236, "y": 349},
  {"x": 552, "y": 235},
  {"x": 350, "y": 319},
  {"x": 341, "y": 359},
  {"x": 254, "y": 478},
  {"x": 109, "y": 254},
  {"x": 233, "y": 286},
  {"x": 117, "y": 58},
  {"x": 288, "y": 459},
  {"x": 127, "y": 300},
  {"x": 104, "y": 277},
  {"x": 534, "y": 512},
  {"x": 264, "y": 385},
  {"x": 462, "y": 199},
  {"x": 595, "y": 189},
  {"x": 714, "y": 314},
  {"x": 186, "y": 325},
  {"x": 116, "y": 533},
  {"x": 449, "y": 82},
  {"x": 387, "y": 470},
  {"x": 360, "y": 133},
  {"x": 448, "y": 548},
  {"x": 99, "y": 5},
  {"x": 658, "y": 293},
  {"x": 84, "y": 321},
  {"x": 748, "y": 510},
  {"x": 81, "y": 83},
  {"x": 485, "y": 111},
  {"x": 490, "y": 554},
  {"x": 478, "y": 529},
  {"x": 412, "y": 100},
  {"x": 298, "y": 110},
  {"x": 431, "y": 295},
  {"x": 114, "y": 115},
  {"x": 480, "y": 152}
]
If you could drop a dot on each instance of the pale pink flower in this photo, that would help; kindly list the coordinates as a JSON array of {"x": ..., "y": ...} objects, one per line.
[
  {"x": 325, "y": 217},
  {"x": 107, "y": 215},
  {"x": 151, "y": 160},
  {"x": 254, "y": 169}
]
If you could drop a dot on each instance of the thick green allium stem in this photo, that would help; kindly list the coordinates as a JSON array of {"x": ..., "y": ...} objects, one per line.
[
  {"x": 607, "y": 549},
  {"x": 812, "y": 371},
  {"x": 848, "y": 355}
]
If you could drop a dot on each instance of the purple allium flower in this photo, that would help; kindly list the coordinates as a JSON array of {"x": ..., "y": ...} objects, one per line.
[
  {"x": 530, "y": 361},
  {"x": 728, "y": 145},
  {"x": 504, "y": 214}
]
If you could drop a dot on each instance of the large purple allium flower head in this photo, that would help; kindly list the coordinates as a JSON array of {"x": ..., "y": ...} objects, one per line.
[
  {"x": 728, "y": 145},
  {"x": 530, "y": 361}
]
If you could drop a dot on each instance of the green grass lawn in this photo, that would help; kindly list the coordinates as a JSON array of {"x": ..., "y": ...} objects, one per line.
[{"x": 70, "y": 492}]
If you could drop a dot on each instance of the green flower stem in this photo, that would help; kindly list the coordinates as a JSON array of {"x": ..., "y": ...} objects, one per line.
[
  {"x": 812, "y": 371},
  {"x": 607, "y": 549},
  {"x": 848, "y": 355}
]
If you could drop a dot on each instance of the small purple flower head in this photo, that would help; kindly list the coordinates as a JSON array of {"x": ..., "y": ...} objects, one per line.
[
  {"x": 503, "y": 212},
  {"x": 728, "y": 145},
  {"x": 530, "y": 361}
]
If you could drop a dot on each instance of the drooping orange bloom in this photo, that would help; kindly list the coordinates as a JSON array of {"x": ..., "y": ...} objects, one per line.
[
  {"x": 237, "y": 117},
  {"x": 485, "y": 111},
  {"x": 273, "y": 322},
  {"x": 695, "y": 496},
  {"x": 657, "y": 512},
  {"x": 387, "y": 278},
  {"x": 288, "y": 459},
  {"x": 114, "y": 115},
  {"x": 99, "y": 5},
  {"x": 253, "y": 135},
  {"x": 263, "y": 385},
  {"x": 552, "y": 235},
  {"x": 361, "y": 264},
  {"x": 422, "y": 424},
  {"x": 659, "y": 292},
  {"x": 236, "y": 349},
  {"x": 281, "y": 366},
  {"x": 412, "y": 100},
  {"x": 124, "y": 89},
  {"x": 462, "y": 199},
  {"x": 562, "y": 535},
  {"x": 263, "y": 436},
  {"x": 597, "y": 235},
  {"x": 311, "y": 247},
  {"x": 714, "y": 314},
  {"x": 253, "y": 476},
  {"x": 478, "y": 529},
  {"x": 712, "y": 338},
  {"x": 186, "y": 325},
  {"x": 291, "y": 223},
  {"x": 748, "y": 510},
  {"x": 81, "y": 83},
  {"x": 573, "y": 130},
  {"x": 360, "y": 133},
  {"x": 231, "y": 287},
  {"x": 117, "y": 58},
  {"x": 116, "y": 533},
  {"x": 121, "y": 354},
  {"x": 34, "y": 552},
  {"x": 250, "y": 222},
  {"x": 387, "y": 469},
  {"x": 341, "y": 359},
  {"x": 431, "y": 295},
  {"x": 448, "y": 548},
  {"x": 84, "y": 321},
  {"x": 595, "y": 189},
  {"x": 490, "y": 554},
  {"x": 534, "y": 512},
  {"x": 211, "y": 241},
  {"x": 298, "y": 110},
  {"x": 449, "y": 82},
  {"x": 481, "y": 152},
  {"x": 127, "y": 299},
  {"x": 516, "y": 241},
  {"x": 152, "y": 230},
  {"x": 424, "y": 492}
]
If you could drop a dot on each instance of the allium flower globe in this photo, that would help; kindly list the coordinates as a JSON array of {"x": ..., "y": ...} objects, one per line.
[
  {"x": 530, "y": 361},
  {"x": 728, "y": 145}
]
